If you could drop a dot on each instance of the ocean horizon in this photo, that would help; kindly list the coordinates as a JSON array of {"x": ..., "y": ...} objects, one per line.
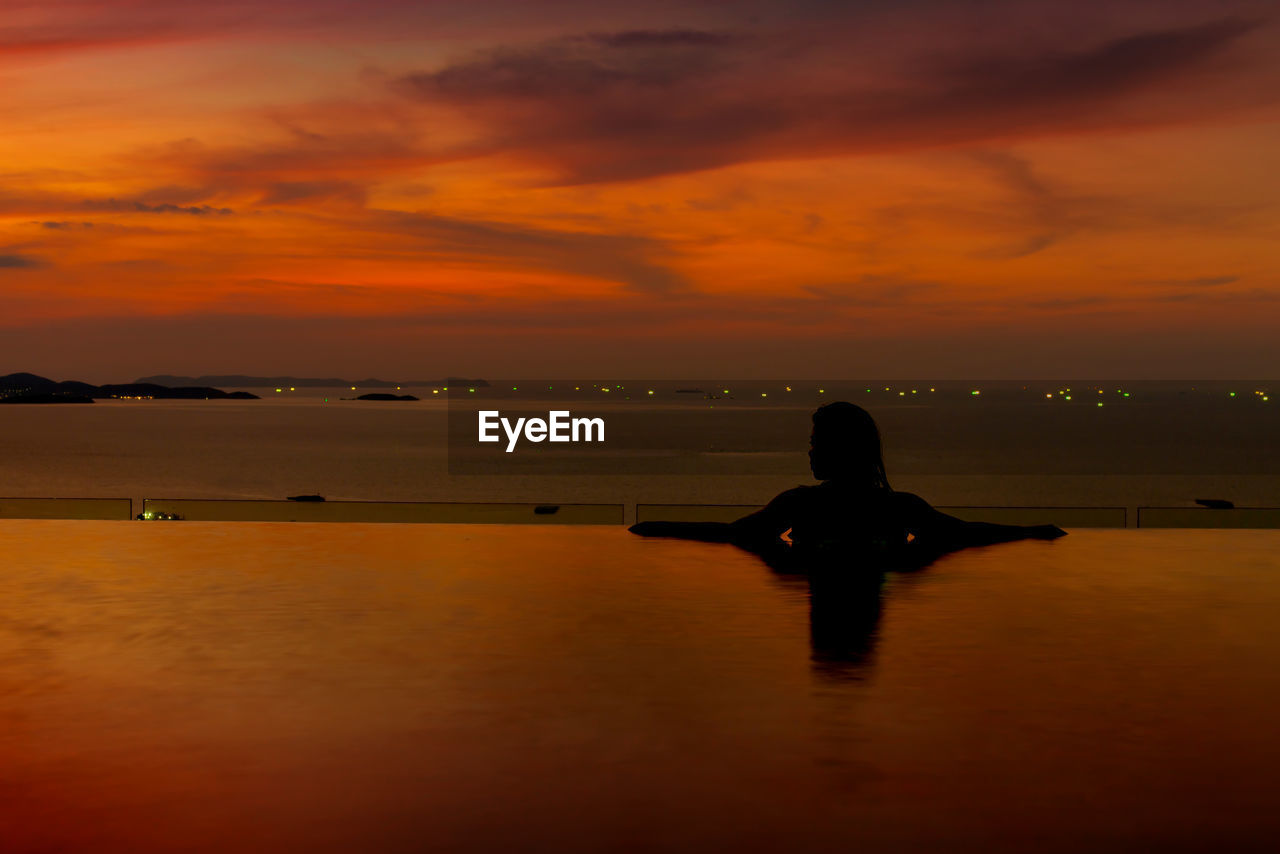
[{"x": 1119, "y": 443}]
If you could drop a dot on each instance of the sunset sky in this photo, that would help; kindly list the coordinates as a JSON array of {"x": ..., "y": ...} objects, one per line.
[{"x": 768, "y": 188}]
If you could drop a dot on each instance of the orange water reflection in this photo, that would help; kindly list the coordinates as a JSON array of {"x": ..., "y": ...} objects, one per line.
[{"x": 267, "y": 687}]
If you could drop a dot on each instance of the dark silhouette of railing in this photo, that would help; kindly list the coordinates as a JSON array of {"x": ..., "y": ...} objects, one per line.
[{"x": 252, "y": 510}]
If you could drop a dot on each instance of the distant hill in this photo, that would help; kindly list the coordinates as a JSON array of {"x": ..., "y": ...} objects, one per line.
[
  {"x": 242, "y": 381},
  {"x": 31, "y": 388}
]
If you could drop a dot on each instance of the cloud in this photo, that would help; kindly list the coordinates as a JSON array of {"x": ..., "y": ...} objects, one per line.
[
  {"x": 126, "y": 206},
  {"x": 355, "y": 143},
  {"x": 51, "y": 28},
  {"x": 637, "y": 263},
  {"x": 636, "y": 104},
  {"x": 1022, "y": 248},
  {"x": 19, "y": 262},
  {"x": 1197, "y": 282},
  {"x": 661, "y": 38},
  {"x": 871, "y": 291},
  {"x": 310, "y": 192}
]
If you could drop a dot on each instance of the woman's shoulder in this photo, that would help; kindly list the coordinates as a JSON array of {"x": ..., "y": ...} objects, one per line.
[
  {"x": 908, "y": 503},
  {"x": 797, "y": 495}
]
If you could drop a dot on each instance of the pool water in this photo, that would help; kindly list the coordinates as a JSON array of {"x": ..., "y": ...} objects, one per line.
[{"x": 267, "y": 687}]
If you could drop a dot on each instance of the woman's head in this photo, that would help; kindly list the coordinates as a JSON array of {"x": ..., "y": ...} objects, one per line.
[{"x": 845, "y": 446}]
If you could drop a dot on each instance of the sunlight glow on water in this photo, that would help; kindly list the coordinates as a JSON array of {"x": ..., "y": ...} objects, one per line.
[{"x": 214, "y": 687}]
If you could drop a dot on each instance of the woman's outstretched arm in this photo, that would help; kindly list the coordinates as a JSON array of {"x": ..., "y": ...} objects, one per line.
[
  {"x": 707, "y": 532},
  {"x": 752, "y": 531},
  {"x": 939, "y": 531}
]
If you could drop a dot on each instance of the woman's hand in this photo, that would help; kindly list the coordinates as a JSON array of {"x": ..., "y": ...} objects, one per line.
[{"x": 1045, "y": 532}]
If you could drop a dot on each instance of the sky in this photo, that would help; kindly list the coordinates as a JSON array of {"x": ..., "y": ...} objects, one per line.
[{"x": 754, "y": 189}]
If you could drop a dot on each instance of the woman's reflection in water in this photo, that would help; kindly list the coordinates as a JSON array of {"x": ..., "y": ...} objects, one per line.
[{"x": 845, "y": 608}]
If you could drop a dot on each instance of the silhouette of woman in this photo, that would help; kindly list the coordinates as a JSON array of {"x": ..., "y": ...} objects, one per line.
[{"x": 853, "y": 514}]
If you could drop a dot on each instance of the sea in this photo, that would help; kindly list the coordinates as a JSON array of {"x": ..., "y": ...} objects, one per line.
[
  {"x": 706, "y": 441},
  {"x": 227, "y": 686},
  {"x": 215, "y": 686}
]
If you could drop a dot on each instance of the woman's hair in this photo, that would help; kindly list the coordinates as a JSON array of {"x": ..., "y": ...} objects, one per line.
[{"x": 846, "y": 444}]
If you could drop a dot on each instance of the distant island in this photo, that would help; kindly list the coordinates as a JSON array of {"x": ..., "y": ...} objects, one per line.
[
  {"x": 384, "y": 396},
  {"x": 30, "y": 388},
  {"x": 242, "y": 381}
]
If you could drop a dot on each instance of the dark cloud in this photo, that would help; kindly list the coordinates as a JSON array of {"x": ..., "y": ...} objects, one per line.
[
  {"x": 303, "y": 158},
  {"x": 660, "y": 38},
  {"x": 1021, "y": 248},
  {"x": 1068, "y": 76},
  {"x": 1197, "y": 282},
  {"x": 293, "y": 192},
  {"x": 107, "y": 24},
  {"x": 567, "y": 70},
  {"x": 1041, "y": 212},
  {"x": 65, "y": 226},
  {"x": 18, "y": 262},
  {"x": 127, "y": 206},
  {"x": 721, "y": 202},
  {"x": 637, "y": 263},
  {"x": 636, "y": 104},
  {"x": 1047, "y": 215}
]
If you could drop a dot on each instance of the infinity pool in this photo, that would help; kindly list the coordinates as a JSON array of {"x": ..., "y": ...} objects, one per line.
[{"x": 211, "y": 687}]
